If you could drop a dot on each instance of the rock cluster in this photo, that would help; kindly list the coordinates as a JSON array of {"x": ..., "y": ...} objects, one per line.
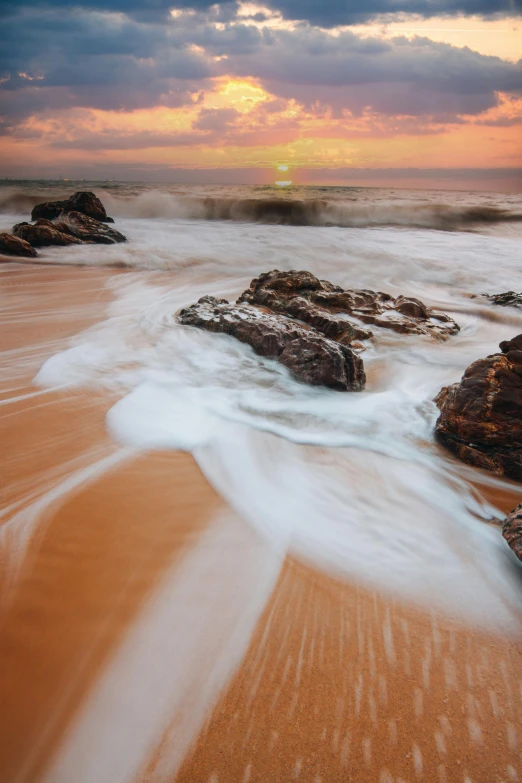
[
  {"x": 481, "y": 417},
  {"x": 311, "y": 326},
  {"x": 330, "y": 308},
  {"x": 84, "y": 201},
  {"x": 79, "y": 220},
  {"x": 44, "y": 233},
  {"x": 508, "y": 299},
  {"x": 512, "y": 530}
]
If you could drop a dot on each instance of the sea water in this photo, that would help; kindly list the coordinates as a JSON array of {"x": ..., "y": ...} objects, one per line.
[{"x": 352, "y": 483}]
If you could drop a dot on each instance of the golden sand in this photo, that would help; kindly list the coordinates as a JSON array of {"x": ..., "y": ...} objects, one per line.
[{"x": 335, "y": 683}]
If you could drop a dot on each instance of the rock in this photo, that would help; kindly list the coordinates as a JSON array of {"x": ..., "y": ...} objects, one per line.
[
  {"x": 335, "y": 312},
  {"x": 48, "y": 210},
  {"x": 309, "y": 355},
  {"x": 481, "y": 417},
  {"x": 512, "y": 530},
  {"x": 15, "y": 246},
  {"x": 509, "y": 299},
  {"x": 308, "y": 324},
  {"x": 84, "y": 202},
  {"x": 88, "y": 204},
  {"x": 44, "y": 233},
  {"x": 89, "y": 230}
]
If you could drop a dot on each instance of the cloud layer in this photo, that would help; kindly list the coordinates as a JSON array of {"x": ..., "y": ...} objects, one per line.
[{"x": 84, "y": 76}]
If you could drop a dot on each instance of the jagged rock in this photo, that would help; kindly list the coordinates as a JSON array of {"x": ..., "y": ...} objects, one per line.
[
  {"x": 48, "y": 210},
  {"x": 512, "y": 530},
  {"x": 83, "y": 201},
  {"x": 89, "y": 230},
  {"x": 44, "y": 233},
  {"x": 309, "y": 355},
  {"x": 509, "y": 299},
  {"x": 481, "y": 417},
  {"x": 308, "y": 324},
  {"x": 15, "y": 246},
  {"x": 330, "y": 309},
  {"x": 88, "y": 204}
]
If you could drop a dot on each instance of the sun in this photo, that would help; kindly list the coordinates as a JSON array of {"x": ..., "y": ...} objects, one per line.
[{"x": 282, "y": 167}]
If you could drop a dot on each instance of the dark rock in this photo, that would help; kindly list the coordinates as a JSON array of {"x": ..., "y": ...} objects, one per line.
[
  {"x": 509, "y": 299},
  {"x": 82, "y": 201},
  {"x": 309, "y": 355},
  {"x": 48, "y": 210},
  {"x": 14, "y": 246},
  {"x": 512, "y": 530},
  {"x": 44, "y": 233},
  {"x": 88, "y": 204},
  {"x": 90, "y": 230},
  {"x": 308, "y": 324},
  {"x": 336, "y": 312},
  {"x": 481, "y": 417}
]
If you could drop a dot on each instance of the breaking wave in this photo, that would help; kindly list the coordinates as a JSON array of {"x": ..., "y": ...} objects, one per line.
[
  {"x": 313, "y": 212},
  {"x": 146, "y": 202}
]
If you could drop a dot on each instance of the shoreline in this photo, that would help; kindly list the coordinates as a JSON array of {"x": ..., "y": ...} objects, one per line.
[{"x": 313, "y": 679}]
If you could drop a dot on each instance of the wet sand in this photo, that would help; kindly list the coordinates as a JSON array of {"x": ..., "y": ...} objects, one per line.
[{"x": 147, "y": 634}]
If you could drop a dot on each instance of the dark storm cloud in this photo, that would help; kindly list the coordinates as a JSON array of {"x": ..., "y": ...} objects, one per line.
[
  {"x": 54, "y": 61},
  {"x": 331, "y": 13},
  {"x": 324, "y": 13},
  {"x": 311, "y": 57},
  {"x": 410, "y": 77},
  {"x": 144, "y": 10}
]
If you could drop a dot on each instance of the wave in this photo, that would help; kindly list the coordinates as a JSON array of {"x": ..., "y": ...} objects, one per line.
[
  {"x": 306, "y": 212},
  {"x": 131, "y": 203},
  {"x": 319, "y": 212},
  {"x": 19, "y": 202}
]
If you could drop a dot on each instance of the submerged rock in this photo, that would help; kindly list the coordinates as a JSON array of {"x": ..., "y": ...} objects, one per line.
[
  {"x": 83, "y": 201},
  {"x": 509, "y": 299},
  {"x": 481, "y": 417},
  {"x": 335, "y": 312},
  {"x": 44, "y": 233},
  {"x": 512, "y": 530},
  {"x": 309, "y": 355},
  {"x": 15, "y": 246}
]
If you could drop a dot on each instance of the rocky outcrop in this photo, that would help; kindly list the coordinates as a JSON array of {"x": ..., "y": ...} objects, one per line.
[
  {"x": 84, "y": 202},
  {"x": 308, "y": 354},
  {"x": 44, "y": 233},
  {"x": 14, "y": 246},
  {"x": 90, "y": 230},
  {"x": 509, "y": 299},
  {"x": 75, "y": 226},
  {"x": 312, "y": 326},
  {"x": 73, "y": 229},
  {"x": 338, "y": 313},
  {"x": 512, "y": 530},
  {"x": 481, "y": 417}
]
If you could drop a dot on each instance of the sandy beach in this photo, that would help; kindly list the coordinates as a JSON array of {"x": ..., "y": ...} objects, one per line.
[{"x": 148, "y": 634}]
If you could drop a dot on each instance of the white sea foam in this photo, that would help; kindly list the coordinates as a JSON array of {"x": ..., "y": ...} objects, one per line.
[{"x": 354, "y": 482}]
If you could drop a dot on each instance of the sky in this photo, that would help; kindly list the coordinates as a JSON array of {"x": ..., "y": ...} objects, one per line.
[{"x": 314, "y": 91}]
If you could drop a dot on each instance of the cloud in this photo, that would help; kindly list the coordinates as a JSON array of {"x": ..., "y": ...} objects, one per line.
[
  {"x": 60, "y": 58},
  {"x": 333, "y": 13},
  {"x": 323, "y": 13},
  {"x": 143, "y": 10}
]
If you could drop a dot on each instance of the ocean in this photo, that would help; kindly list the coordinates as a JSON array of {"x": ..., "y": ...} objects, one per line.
[
  {"x": 352, "y": 483},
  {"x": 213, "y": 572}
]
